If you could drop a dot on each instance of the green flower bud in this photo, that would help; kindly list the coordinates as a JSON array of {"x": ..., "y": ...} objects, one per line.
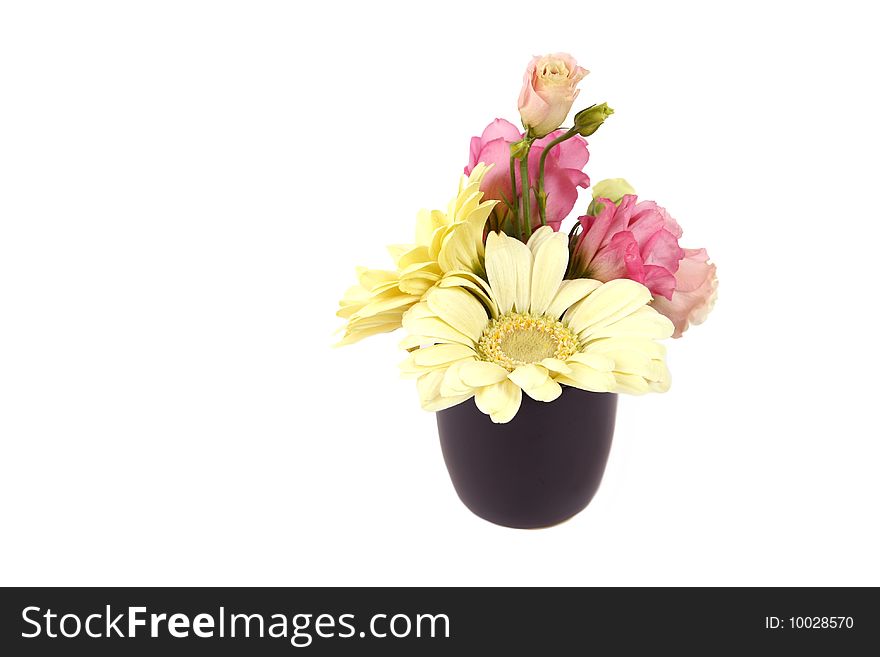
[
  {"x": 519, "y": 149},
  {"x": 588, "y": 121},
  {"x": 613, "y": 189}
]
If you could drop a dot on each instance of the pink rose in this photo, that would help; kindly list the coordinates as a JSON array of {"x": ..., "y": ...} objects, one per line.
[
  {"x": 636, "y": 240},
  {"x": 696, "y": 288},
  {"x": 549, "y": 88},
  {"x": 562, "y": 172}
]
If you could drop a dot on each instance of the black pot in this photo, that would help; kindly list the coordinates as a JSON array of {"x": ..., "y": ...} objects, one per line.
[{"x": 539, "y": 469}]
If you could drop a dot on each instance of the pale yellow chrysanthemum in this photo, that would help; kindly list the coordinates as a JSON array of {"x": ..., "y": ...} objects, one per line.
[
  {"x": 527, "y": 329},
  {"x": 448, "y": 244}
]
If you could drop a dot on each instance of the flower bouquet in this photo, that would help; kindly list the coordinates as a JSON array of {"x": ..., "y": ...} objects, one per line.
[{"x": 519, "y": 333}]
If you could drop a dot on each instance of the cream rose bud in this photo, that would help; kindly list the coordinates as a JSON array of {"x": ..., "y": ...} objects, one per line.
[{"x": 549, "y": 89}]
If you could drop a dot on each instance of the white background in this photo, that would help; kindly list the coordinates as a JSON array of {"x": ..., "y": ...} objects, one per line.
[{"x": 186, "y": 187}]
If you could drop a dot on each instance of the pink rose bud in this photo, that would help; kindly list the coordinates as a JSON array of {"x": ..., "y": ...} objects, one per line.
[{"x": 549, "y": 89}]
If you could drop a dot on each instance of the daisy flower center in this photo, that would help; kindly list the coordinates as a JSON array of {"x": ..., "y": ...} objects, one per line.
[{"x": 520, "y": 339}]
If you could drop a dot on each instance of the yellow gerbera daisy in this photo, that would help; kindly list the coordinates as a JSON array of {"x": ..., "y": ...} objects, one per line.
[
  {"x": 527, "y": 329},
  {"x": 447, "y": 244}
]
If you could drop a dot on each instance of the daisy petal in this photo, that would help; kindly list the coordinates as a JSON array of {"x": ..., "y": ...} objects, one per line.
[
  {"x": 599, "y": 362},
  {"x": 609, "y": 303},
  {"x": 645, "y": 322},
  {"x": 356, "y": 334},
  {"x": 373, "y": 278},
  {"x": 479, "y": 373},
  {"x": 586, "y": 378},
  {"x": 632, "y": 384},
  {"x": 556, "y": 365},
  {"x": 459, "y": 309},
  {"x": 632, "y": 362},
  {"x": 477, "y": 286},
  {"x": 427, "y": 222},
  {"x": 611, "y": 346},
  {"x": 529, "y": 376},
  {"x": 418, "y": 311},
  {"x": 382, "y": 305},
  {"x": 409, "y": 369},
  {"x": 441, "y": 354},
  {"x": 539, "y": 237},
  {"x": 546, "y": 393},
  {"x": 663, "y": 380},
  {"x": 509, "y": 268},
  {"x": 570, "y": 292},
  {"x": 436, "y": 328},
  {"x": 452, "y": 385},
  {"x": 536, "y": 382},
  {"x": 417, "y": 256},
  {"x": 416, "y": 286},
  {"x": 551, "y": 261},
  {"x": 459, "y": 247},
  {"x": 428, "y": 386},
  {"x": 499, "y": 401}
]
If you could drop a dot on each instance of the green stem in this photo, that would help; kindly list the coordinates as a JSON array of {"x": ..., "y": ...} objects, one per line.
[
  {"x": 542, "y": 196},
  {"x": 573, "y": 236},
  {"x": 526, "y": 192},
  {"x": 513, "y": 206},
  {"x": 506, "y": 201}
]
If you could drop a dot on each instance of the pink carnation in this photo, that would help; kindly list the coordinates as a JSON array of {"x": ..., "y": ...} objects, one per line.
[
  {"x": 636, "y": 240},
  {"x": 562, "y": 172},
  {"x": 696, "y": 287}
]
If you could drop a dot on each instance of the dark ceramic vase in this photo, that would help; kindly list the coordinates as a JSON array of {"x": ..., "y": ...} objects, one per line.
[{"x": 539, "y": 469}]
